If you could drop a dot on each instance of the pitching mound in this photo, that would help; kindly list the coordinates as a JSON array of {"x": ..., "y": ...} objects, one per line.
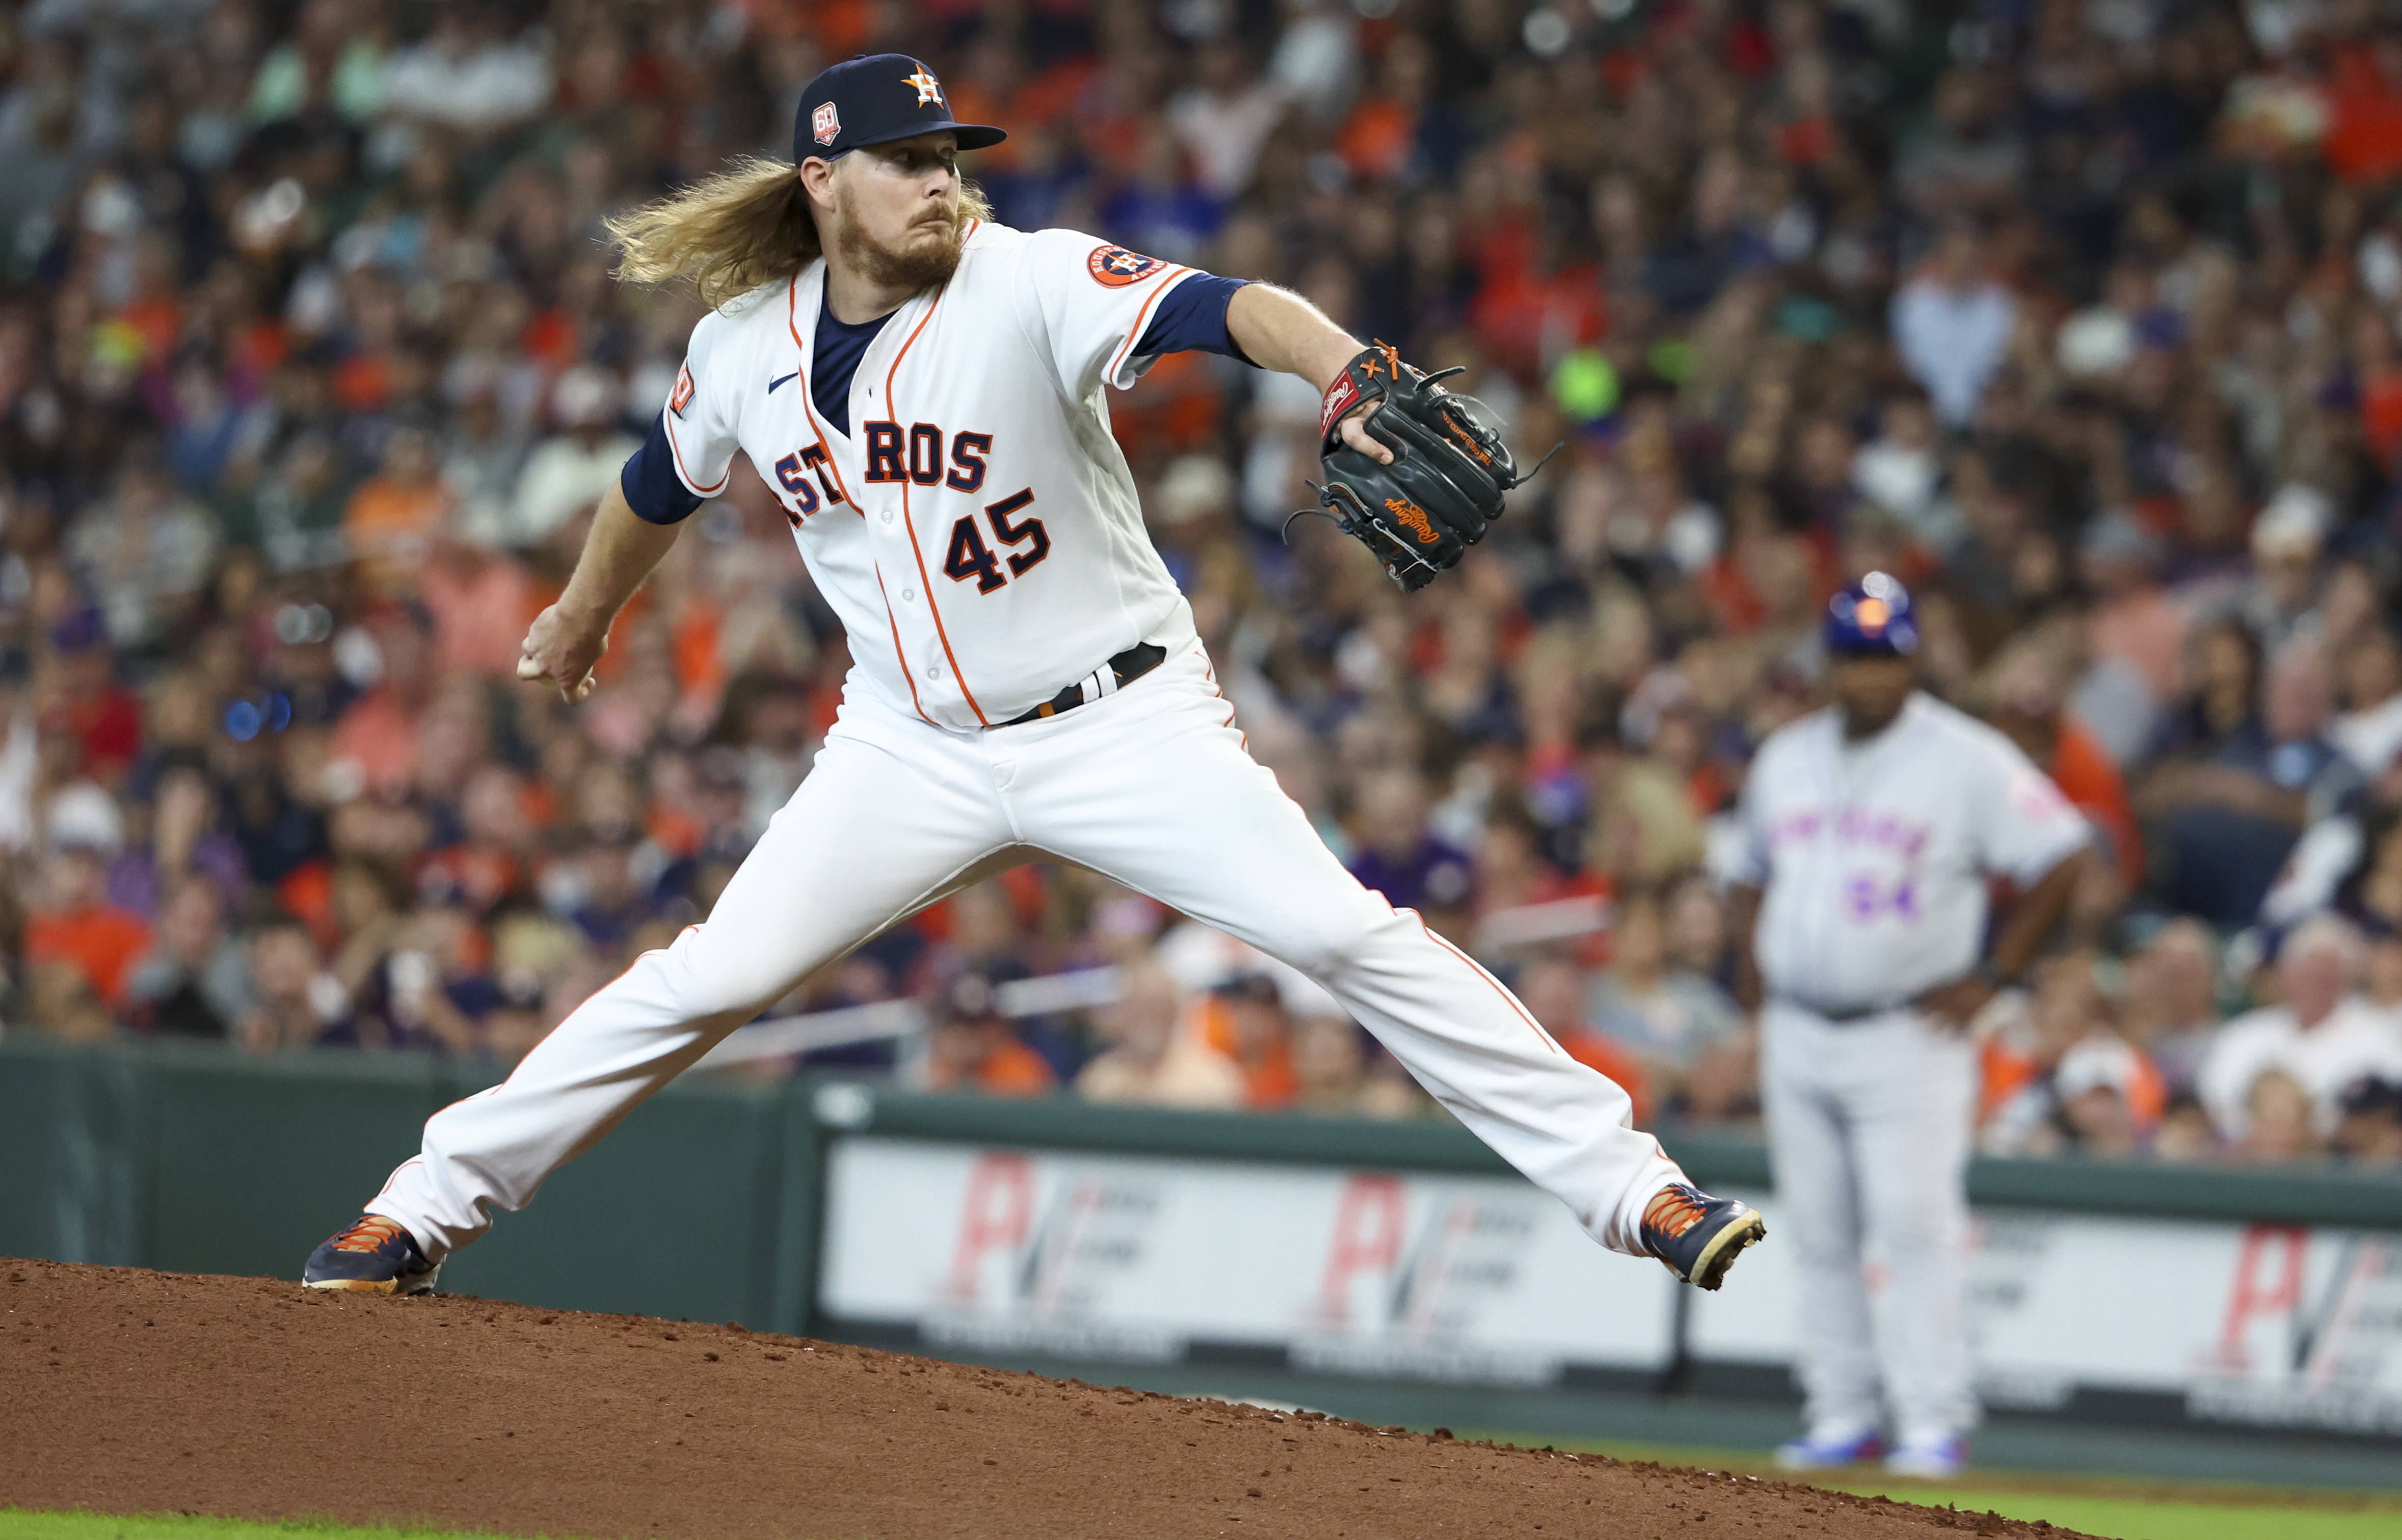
[{"x": 130, "y": 1392}]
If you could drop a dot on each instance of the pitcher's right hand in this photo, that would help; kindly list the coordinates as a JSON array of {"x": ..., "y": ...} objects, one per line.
[{"x": 560, "y": 652}]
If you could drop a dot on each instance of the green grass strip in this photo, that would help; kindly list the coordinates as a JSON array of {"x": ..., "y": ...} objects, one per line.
[
  {"x": 20, "y": 1524},
  {"x": 2157, "y": 1510},
  {"x": 2132, "y": 1518},
  {"x": 2115, "y": 1518}
]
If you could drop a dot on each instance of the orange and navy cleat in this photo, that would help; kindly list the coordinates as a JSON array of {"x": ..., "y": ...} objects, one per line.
[
  {"x": 1696, "y": 1236},
  {"x": 375, "y": 1255}
]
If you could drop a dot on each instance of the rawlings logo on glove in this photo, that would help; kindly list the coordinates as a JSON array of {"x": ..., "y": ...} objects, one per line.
[
  {"x": 1413, "y": 517},
  {"x": 1420, "y": 514}
]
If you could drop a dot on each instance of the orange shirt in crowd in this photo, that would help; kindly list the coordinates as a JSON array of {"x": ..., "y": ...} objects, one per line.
[
  {"x": 1014, "y": 1069},
  {"x": 2004, "y": 1070},
  {"x": 379, "y": 735},
  {"x": 2087, "y": 777},
  {"x": 383, "y": 512},
  {"x": 1375, "y": 141},
  {"x": 1602, "y": 1052},
  {"x": 1269, "y": 1079},
  {"x": 102, "y": 942},
  {"x": 481, "y": 608}
]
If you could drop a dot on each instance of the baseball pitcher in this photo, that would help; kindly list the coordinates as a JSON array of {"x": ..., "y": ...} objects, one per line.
[
  {"x": 922, "y": 391},
  {"x": 1871, "y": 830}
]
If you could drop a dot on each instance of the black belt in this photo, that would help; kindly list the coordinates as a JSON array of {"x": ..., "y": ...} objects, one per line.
[
  {"x": 1848, "y": 1015},
  {"x": 1123, "y": 670}
]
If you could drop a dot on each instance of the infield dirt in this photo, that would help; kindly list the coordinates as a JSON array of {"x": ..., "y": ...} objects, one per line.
[{"x": 132, "y": 1392}]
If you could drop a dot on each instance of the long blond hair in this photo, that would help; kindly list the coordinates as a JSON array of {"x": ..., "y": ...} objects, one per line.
[{"x": 734, "y": 230}]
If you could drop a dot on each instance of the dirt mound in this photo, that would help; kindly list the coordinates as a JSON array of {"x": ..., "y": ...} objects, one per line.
[{"x": 134, "y": 1392}]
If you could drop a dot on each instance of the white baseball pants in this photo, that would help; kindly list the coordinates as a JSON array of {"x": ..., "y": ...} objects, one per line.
[
  {"x": 1150, "y": 787},
  {"x": 1868, "y": 1127}
]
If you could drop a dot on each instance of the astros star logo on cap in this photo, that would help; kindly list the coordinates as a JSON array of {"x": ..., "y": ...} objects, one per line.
[{"x": 930, "y": 90}]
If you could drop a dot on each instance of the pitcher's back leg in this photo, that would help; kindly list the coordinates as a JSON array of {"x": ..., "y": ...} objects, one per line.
[{"x": 886, "y": 820}]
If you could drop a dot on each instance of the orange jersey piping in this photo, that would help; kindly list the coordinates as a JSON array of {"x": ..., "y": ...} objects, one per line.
[
  {"x": 1142, "y": 319},
  {"x": 910, "y": 521}
]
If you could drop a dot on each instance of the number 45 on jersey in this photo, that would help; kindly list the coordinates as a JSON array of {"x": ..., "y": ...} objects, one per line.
[{"x": 970, "y": 557}]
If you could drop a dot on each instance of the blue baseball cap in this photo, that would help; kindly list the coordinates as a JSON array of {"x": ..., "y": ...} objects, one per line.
[
  {"x": 1871, "y": 619},
  {"x": 875, "y": 99}
]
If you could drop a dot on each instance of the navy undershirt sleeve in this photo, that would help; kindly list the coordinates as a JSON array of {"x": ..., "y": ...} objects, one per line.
[
  {"x": 1193, "y": 318},
  {"x": 653, "y": 490},
  {"x": 840, "y": 346}
]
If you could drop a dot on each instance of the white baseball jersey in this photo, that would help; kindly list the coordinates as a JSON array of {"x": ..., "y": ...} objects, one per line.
[
  {"x": 1874, "y": 856},
  {"x": 978, "y": 532}
]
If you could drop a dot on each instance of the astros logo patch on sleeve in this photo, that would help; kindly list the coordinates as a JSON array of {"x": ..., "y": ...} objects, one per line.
[
  {"x": 681, "y": 396},
  {"x": 1114, "y": 266}
]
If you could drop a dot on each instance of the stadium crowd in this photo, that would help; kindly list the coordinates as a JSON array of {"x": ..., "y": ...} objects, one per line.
[{"x": 2078, "y": 315}]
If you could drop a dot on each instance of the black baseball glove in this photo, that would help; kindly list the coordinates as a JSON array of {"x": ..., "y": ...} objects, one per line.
[{"x": 1420, "y": 514}]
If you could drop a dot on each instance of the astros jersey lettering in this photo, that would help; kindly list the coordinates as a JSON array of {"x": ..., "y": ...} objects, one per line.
[
  {"x": 976, "y": 528},
  {"x": 1874, "y": 856}
]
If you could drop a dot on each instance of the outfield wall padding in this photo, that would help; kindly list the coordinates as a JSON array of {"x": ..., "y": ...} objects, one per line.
[{"x": 708, "y": 1203}]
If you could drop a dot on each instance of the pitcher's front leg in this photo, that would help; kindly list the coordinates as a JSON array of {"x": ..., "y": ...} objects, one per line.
[{"x": 1164, "y": 798}]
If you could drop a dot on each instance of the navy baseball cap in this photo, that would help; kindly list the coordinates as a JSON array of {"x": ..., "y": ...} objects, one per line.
[
  {"x": 875, "y": 99},
  {"x": 1871, "y": 619}
]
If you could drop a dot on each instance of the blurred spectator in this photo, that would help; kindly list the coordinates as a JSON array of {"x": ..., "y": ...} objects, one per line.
[
  {"x": 2229, "y": 815},
  {"x": 467, "y": 74},
  {"x": 1340, "y": 1072},
  {"x": 2319, "y": 1038},
  {"x": 393, "y": 519},
  {"x": 1900, "y": 469},
  {"x": 973, "y": 1047},
  {"x": 194, "y": 981},
  {"x": 146, "y": 553},
  {"x": 1148, "y": 1061},
  {"x": 1224, "y": 119},
  {"x": 567, "y": 473},
  {"x": 1555, "y": 992},
  {"x": 72, "y": 927},
  {"x": 2171, "y": 1015},
  {"x": 2370, "y": 1129},
  {"x": 2059, "y": 1077},
  {"x": 482, "y": 453},
  {"x": 2109, "y": 1099},
  {"x": 1244, "y": 1019},
  {"x": 2137, "y": 628},
  {"x": 1681, "y": 1027},
  {"x": 2369, "y": 729},
  {"x": 87, "y": 699},
  {"x": 1952, "y": 323},
  {"x": 375, "y": 744},
  {"x": 2279, "y": 1122},
  {"x": 1398, "y": 854}
]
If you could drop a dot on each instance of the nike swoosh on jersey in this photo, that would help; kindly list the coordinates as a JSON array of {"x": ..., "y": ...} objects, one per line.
[{"x": 773, "y": 383}]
